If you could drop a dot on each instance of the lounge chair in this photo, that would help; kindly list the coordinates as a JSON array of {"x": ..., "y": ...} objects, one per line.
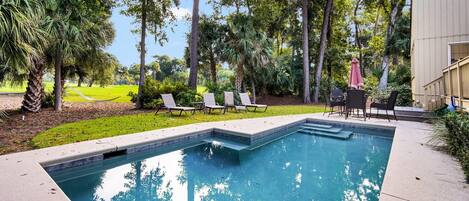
[
  {"x": 170, "y": 105},
  {"x": 210, "y": 104},
  {"x": 356, "y": 99},
  {"x": 245, "y": 101},
  {"x": 229, "y": 102},
  {"x": 388, "y": 105},
  {"x": 336, "y": 99}
]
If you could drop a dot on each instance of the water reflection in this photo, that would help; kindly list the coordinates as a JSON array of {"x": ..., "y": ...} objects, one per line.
[{"x": 299, "y": 167}]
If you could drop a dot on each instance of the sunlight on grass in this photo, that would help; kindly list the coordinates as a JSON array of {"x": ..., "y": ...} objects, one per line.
[
  {"x": 119, "y": 125},
  {"x": 96, "y": 92},
  {"x": 22, "y": 88},
  {"x": 101, "y": 93}
]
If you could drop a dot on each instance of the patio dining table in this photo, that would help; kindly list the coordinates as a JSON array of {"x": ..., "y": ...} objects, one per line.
[{"x": 355, "y": 100}]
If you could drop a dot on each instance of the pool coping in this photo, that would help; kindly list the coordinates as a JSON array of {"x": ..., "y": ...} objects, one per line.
[{"x": 443, "y": 178}]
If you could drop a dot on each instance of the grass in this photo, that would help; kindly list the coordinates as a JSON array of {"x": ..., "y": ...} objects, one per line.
[
  {"x": 120, "y": 125},
  {"x": 101, "y": 93},
  {"x": 6, "y": 87},
  {"x": 96, "y": 92}
]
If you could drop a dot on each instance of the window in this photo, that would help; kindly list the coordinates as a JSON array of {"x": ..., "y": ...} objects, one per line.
[{"x": 457, "y": 51}]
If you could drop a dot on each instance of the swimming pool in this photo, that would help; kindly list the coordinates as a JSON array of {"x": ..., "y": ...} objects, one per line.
[{"x": 298, "y": 166}]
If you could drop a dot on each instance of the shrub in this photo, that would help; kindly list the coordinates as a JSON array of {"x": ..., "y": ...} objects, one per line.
[
  {"x": 48, "y": 100},
  {"x": 404, "y": 97},
  {"x": 455, "y": 135},
  {"x": 152, "y": 90},
  {"x": 219, "y": 89}
]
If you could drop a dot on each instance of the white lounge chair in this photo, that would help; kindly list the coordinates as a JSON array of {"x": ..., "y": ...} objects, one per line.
[
  {"x": 170, "y": 105},
  {"x": 245, "y": 101},
  {"x": 229, "y": 102},
  {"x": 210, "y": 104}
]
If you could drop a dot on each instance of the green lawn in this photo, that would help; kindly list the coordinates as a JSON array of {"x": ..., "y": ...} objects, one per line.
[
  {"x": 100, "y": 93},
  {"x": 96, "y": 92},
  {"x": 119, "y": 125},
  {"x": 20, "y": 89}
]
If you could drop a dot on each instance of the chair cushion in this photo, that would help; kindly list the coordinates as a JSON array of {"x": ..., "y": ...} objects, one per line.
[
  {"x": 238, "y": 107},
  {"x": 256, "y": 105},
  {"x": 215, "y": 106},
  {"x": 182, "y": 108}
]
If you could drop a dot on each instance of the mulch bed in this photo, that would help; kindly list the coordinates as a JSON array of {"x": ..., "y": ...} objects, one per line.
[{"x": 16, "y": 133}]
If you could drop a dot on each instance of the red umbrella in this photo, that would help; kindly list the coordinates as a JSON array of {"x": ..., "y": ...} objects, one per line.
[{"x": 356, "y": 80}]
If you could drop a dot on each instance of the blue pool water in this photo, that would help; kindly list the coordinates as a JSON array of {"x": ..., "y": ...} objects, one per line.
[{"x": 295, "y": 167}]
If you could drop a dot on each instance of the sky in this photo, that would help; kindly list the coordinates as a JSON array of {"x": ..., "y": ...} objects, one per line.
[{"x": 125, "y": 43}]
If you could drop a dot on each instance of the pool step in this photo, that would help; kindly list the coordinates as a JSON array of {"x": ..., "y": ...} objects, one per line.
[
  {"x": 226, "y": 144},
  {"x": 327, "y": 130},
  {"x": 343, "y": 135},
  {"x": 317, "y": 125}
]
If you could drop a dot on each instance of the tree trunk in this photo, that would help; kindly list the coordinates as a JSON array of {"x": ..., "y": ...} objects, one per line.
[
  {"x": 194, "y": 42},
  {"x": 239, "y": 77},
  {"x": 62, "y": 83},
  {"x": 79, "y": 82},
  {"x": 329, "y": 60},
  {"x": 306, "y": 90},
  {"x": 357, "y": 36},
  {"x": 138, "y": 180},
  {"x": 397, "y": 6},
  {"x": 90, "y": 84},
  {"x": 35, "y": 91},
  {"x": 395, "y": 59},
  {"x": 253, "y": 85},
  {"x": 322, "y": 49},
  {"x": 141, "y": 80},
  {"x": 58, "y": 81},
  {"x": 213, "y": 68}
]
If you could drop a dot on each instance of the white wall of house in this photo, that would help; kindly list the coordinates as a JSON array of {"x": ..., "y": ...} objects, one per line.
[{"x": 435, "y": 25}]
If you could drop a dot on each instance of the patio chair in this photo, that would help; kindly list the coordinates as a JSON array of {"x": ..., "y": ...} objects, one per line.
[
  {"x": 245, "y": 101},
  {"x": 229, "y": 102},
  {"x": 336, "y": 99},
  {"x": 210, "y": 104},
  {"x": 356, "y": 99},
  {"x": 386, "y": 106},
  {"x": 170, "y": 105}
]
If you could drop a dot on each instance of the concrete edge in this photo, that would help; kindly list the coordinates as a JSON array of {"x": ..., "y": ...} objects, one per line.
[{"x": 15, "y": 166}]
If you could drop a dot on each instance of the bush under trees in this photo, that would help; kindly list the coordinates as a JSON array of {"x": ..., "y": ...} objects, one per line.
[{"x": 152, "y": 90}]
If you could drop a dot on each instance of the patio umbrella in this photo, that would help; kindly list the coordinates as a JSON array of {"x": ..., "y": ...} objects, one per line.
[{"x": 356, "y": 80}]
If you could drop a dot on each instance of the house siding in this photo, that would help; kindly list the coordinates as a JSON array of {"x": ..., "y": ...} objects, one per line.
[{"x": 435, "y": 24}]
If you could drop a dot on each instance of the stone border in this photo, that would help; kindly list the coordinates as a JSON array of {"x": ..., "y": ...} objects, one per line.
[{"x": 440, "y": 177}]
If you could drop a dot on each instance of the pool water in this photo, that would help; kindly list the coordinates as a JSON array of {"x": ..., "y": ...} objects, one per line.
[{"x": 295, "y": 167}]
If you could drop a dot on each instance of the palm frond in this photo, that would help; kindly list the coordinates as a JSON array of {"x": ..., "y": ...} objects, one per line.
[{"x": 3, "y": 115}]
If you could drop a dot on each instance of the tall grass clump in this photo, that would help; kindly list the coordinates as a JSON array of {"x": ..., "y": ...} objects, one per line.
[{"x": 451, "y": 132}]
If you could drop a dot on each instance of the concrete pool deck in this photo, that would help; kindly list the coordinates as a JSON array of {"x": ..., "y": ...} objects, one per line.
[{"x": 415, "y": 170}]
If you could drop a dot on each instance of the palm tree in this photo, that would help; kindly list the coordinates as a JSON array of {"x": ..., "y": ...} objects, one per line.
[
  {"x": 260, "y": 56},
  {"x": 22, "y": 41},
  {"x": 65, "y": 34},
  {"x": 74, "y": 28},
  {"x": 238, "y": 45},
  {"x": 209, "y": 47}
]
